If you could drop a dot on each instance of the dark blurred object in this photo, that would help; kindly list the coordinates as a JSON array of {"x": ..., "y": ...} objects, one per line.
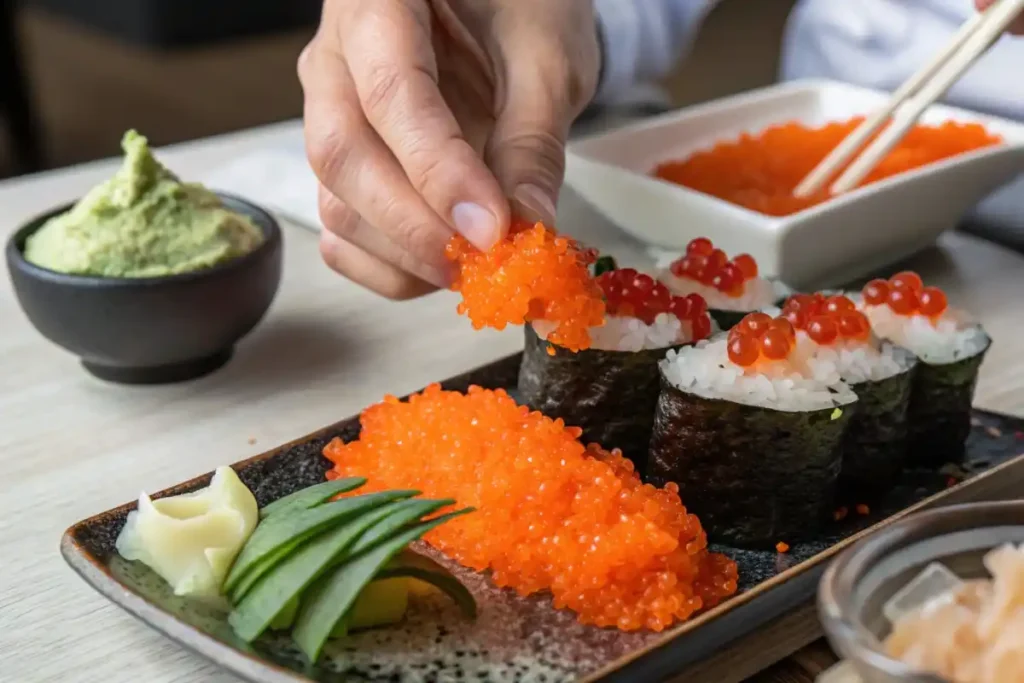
[
  {"x": 16, "y": 110},
  {"x": 1000, "y": 218},
  {"x": 180, "y": 23}
]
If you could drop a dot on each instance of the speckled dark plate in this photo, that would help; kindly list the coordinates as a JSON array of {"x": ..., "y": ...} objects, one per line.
[{"x": 515, "y": 639}]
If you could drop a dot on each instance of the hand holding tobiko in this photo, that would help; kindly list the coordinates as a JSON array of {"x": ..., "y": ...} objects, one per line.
[{"x": 415, "y": 135}]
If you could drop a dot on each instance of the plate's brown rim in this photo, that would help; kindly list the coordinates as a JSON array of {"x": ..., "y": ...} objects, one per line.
[
  {"x": 248, "y": 666},
  {"x": 794, "y": 571},
  {"x": 95, "y": 574}
]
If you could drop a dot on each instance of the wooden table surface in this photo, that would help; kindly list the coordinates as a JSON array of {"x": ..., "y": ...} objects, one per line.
[{"x": 71, "y": 446}]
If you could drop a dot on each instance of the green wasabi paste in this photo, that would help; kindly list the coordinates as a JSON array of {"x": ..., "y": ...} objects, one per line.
[{"x": 142, "y": 222}]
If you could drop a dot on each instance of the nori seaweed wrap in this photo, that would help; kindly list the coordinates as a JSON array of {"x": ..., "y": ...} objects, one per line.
[
  {"x": 754, "y": 443},
  {"x": 950, "y": 348},
  {"x": 754, "y": 475},
  {"x": 610, "y": 395},
  {"x": 875, "y": 445},
  {"x": 610, "y": 389},
  {"x": 940, "y": 409}
]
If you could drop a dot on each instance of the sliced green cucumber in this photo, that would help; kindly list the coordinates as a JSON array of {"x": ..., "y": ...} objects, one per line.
[
  {"x": 312, "y": 496},
  {"x": 413, "y": 566},
  {"x": 330, "y": 599},
  {"x": 382, "y": 602},
  {"x": 286, "y": 617},
  {"x": 603, "y": 265},
  {"x": 392, "y": 525},
  {"x": 275, "y": 536},
  {"x": 285, "y": 582}
]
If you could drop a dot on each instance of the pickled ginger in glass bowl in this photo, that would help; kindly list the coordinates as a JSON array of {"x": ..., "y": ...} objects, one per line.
[{"x": 940, "y": 592}]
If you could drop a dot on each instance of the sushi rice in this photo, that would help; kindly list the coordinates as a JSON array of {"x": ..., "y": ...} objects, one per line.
[
  {"x": 757, "y": 293},
  {"x": 788, "y": 385},
  {"x": 871, "y": 360},
  {"x": 952, "y": 337},
  {"x": 625, "y": 333}
]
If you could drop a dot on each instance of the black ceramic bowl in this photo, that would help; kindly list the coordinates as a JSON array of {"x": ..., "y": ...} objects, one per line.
[
  {"x": 862, "y": 579},
  {"x": 151, "y": 330}
]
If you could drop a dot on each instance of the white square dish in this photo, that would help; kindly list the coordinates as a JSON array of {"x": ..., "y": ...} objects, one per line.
[{"x": 828, "y": 244}]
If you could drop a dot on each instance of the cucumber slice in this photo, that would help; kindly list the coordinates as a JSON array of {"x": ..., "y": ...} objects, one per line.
[
  {"x": 271, "y": 594},
  {"x": 278, "y": 535},
  {"x": 392, "y": 525},
  {"x": 331, "y": 598},
  {"x": 286, "y": 617},
  {"x": 413, "y": 566},
  {"x": 381, "y": 603},
  {"x": 312, "y": 496},
  {"x": 603, "y": 265}
]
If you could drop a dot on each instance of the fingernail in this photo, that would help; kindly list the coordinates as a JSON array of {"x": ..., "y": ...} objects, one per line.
[
  {"x": 476, "y": 224},
  {"x": 537, "y": 202},
  {"x": 328, "y": 240}
]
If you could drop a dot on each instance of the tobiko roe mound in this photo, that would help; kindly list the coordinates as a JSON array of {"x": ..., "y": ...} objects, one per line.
[
  {"x": 550, "y": 514},
  {"x": 760, "y": 171},
  {"x": 532, "y": 274}
]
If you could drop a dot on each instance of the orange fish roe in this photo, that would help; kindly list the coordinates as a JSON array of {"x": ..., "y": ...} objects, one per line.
[
  {"x": 760, "y": 171},
  {"x": 905, "y": 294},
  {"x": 710, "y": 266},
  {"x": 827, "y": 319},
  {"x": 533, "y": 274},
  {"x": 782, "y": 547},
  {"x": 759, "y": 336},
  {"x": 550, "y": 514}
]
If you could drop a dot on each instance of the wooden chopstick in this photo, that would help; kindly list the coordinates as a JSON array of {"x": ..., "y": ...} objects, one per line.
[
  {"x": 909, "y": 101},
  {"x": 845, "y": 150}
]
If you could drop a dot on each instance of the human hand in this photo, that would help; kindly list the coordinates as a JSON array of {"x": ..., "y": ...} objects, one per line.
[
  {"x": 423, "y": 117},
  {"x": 1016, "y": 27}
]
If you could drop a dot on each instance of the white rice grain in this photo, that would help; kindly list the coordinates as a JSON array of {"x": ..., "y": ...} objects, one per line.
[
  {"x": 621, "y": 333},
  {"x": 705, "y": 370},
  {"x": 952, "y": 337},
  {"x": 757, "y": 294},
  {"x": 855, "y": 361}
]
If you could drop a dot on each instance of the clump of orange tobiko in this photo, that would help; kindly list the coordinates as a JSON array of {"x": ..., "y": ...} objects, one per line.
[
  {"x": 550, "y": 514},
  {"x": 760, "y": 171},
  {"x": 532, "y": 274}
]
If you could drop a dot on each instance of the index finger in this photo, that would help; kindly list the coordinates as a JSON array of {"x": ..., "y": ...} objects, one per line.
[{"x": 391, "y": 59}]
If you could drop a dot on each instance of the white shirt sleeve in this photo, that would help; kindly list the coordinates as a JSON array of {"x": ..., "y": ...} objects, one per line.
[{"x": 643, "y": 39}]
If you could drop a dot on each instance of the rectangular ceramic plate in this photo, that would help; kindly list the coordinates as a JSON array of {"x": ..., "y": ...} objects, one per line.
[{"x": 513, "y": 639}]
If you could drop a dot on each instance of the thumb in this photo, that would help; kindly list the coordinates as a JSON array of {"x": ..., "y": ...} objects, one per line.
[{"x": 526, "y": 151}]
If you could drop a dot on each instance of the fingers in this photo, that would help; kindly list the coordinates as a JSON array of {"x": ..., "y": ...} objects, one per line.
[
  {"x": 527, "y": 148},
  {"x": 346, "y": 224},
  {"x": 1016, "y": 27},
  {"x": 394, "y": 72},
  {"x": 356, "y": 166},
  {"x": 369, "y": 271}
]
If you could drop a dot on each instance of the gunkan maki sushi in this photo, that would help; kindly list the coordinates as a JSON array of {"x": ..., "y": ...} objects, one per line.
[
  {"x": 751, "y": 438},
  {"x": 732, "y": 288},
  {"x": 950, "y": 346},
  {"x": 833, "y": 336},
  {"x": 610, "y": 389}
]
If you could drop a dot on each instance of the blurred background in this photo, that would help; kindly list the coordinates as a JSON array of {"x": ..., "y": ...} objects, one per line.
[{"x": 75, "y": 74}]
